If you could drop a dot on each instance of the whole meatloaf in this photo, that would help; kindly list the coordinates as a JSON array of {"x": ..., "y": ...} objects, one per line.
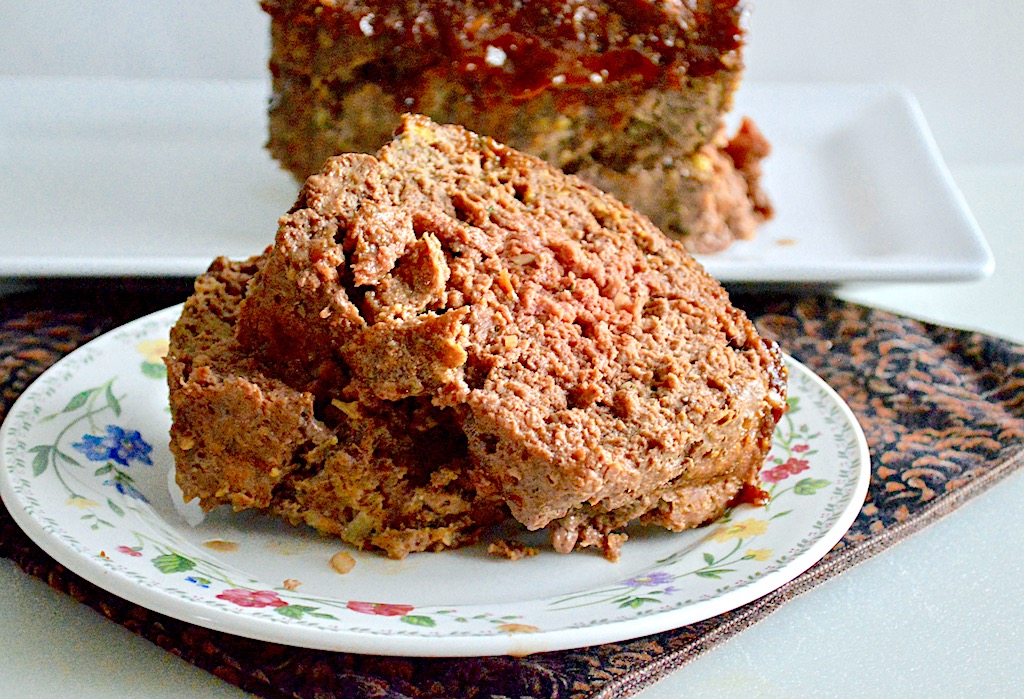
[
  {"x": 627, "y": 94},
  {"x": 451, "y": 332}
]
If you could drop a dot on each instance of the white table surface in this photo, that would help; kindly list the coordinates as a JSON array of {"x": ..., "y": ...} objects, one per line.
[{"x": 939, "y": 615}]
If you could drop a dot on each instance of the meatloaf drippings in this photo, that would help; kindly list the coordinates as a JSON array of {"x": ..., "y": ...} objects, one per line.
[
  {"x": 628, "y": 94},
  {"x": 450, "y": 332}
]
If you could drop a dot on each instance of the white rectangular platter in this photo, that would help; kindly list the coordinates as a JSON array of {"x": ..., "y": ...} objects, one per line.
[{"x": 103, "y": 177}]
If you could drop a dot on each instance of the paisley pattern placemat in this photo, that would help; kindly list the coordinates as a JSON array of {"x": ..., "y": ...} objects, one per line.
[{"x": 942, "y": 409}]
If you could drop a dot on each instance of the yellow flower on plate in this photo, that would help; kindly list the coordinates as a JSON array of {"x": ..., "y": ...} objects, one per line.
[
  {"x": 518, "y": 628},
  {"x": 81, "y": 503},
  {"x": 741, "y": 530},
  {"x": 758, "y": 554},
  {"x": 153, "y": 351}
]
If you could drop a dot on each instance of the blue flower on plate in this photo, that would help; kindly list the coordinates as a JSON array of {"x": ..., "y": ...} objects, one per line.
[
  {"x": 118, "y": 445},
  {"x": 123, "y": 484}
]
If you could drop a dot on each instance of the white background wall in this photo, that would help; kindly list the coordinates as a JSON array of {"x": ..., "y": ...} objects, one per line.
[{"x": 963, "y": 60}]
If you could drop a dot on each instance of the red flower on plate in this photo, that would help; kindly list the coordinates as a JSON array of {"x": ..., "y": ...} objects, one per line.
[
  {"x": 795, "y": 466},
  {"x": 128, "y": 551},
  {"x": 253, "y": 598},
  {"x": 790, "y": 467},
  {"x": 380, "y": 609}
]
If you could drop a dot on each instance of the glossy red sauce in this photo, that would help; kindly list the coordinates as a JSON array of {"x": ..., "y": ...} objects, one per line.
[
  {"x": 522, "y": 47},
  {"x": 750, "y": 495}
]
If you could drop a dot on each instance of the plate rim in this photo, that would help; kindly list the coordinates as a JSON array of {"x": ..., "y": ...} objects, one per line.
[{"x": 367, "y": 640}]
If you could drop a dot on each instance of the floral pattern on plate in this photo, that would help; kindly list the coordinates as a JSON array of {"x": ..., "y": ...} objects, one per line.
[{"x": 86, "y": 468}]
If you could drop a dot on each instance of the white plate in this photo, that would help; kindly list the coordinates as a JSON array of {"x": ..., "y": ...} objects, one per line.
[
  {"x": 85, "y": 472},
  {"x": 861, "y": 193},
  {"x": 106, "y": 177}
]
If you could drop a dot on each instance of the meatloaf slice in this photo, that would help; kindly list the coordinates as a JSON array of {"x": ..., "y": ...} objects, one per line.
[
  {"x": 463, "y": 332},
  {"x": 628, "y": 94},
  {"x": 243, "y": 437}
]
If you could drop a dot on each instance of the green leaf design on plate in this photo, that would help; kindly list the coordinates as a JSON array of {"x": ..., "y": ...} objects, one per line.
[
  {"x": 154, "y": 370},
  {"x": 418, "y": 620},
  {"x": 716, "y": 574},
  {"x": 295, "y": 611},
  {"x": 173, "y": 563},
  {"x": 635, "y": 602},
  {"x": 57, "y": 453},
  {"x": 112, "y": 401},
  {"x": 41, "y": 459},
  {"x": 115, "y": 508},
  {"x": 809, "y": 486},
  {"x": 78, "y": 400}
]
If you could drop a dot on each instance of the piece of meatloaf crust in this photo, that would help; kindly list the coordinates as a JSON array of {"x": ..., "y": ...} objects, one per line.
[
  {"x": 627, "y": 94},
  {"x": 451, "y": 331}
]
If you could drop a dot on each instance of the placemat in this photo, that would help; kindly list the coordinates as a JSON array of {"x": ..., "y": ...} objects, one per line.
[{"x": 942, "y": 409}]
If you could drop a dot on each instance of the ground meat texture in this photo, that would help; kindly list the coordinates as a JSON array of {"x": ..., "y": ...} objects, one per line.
[
  {"x": 467, "y": 334},
  {"x": 628, "y": 94}
]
